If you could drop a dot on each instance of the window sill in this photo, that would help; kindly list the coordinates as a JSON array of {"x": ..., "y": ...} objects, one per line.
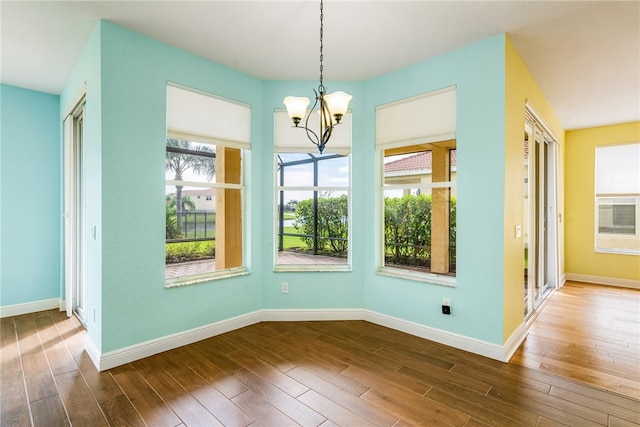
[
  {"x": 311, "y": 268},
  {"x": 617, "y": 251},
  {"x": 202, "y": 278},
  {"x": 416, "y": 276}
]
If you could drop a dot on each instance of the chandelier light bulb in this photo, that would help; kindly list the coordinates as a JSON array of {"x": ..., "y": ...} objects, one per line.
[
  {"x": 296, "y": 107},
  {"x": 338, "y": 104}
]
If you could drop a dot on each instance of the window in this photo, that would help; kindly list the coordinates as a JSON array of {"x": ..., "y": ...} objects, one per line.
[
  {"x": 204, "y": 186},
  {"x": 420, "y": 208},
  {"x": 617, "y": 216},
  {"x": 419, "y": 171},
  {"x": 617, "y": 198},
  {"x": 313, "y": 199}
]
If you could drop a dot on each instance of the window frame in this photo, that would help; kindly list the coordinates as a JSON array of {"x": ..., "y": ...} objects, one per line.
[
  {"x": 614, "y": 185},
  {"x": 408, "y": 273},
  {"x": 227, "y": 272},
  {"x": 621, "y": 238},
  {"x": 313, "y": 189}
]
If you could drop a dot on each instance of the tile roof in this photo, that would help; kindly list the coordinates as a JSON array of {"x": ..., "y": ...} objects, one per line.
[{"x": 415, "y": 162}]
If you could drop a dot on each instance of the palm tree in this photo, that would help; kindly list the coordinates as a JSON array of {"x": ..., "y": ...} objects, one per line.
[{"x": 184, "y": 157}]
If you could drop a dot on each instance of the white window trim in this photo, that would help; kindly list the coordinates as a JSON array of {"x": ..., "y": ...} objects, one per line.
[
  {"x": 228, "y": 272},
  {"x": 614, "y": 236},
  {"x": 314, "y": 267},
  {"x": 399, "y": 272},
  {"x": 206, "y": 277}
]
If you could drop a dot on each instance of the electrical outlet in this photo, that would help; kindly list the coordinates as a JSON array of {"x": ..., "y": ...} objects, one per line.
[
  {"x": 446, "y": 306},
  {"x": 285, "y": 287}
]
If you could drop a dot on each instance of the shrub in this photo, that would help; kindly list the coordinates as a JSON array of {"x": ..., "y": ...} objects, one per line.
[
  {"x": 190, "y": 251},
  {"x": 407, "y": 230},
  {"x": 333, "y": 224}
]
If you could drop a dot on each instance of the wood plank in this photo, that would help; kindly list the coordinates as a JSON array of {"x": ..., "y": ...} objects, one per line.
[
  {"x": 553, "y": 380},
  {"x": 606, "y": 407},
  {"x": 478, "y": 409},
  {"x": 206, "y": 393},
  {"x": 49, "y": 412},
  {"x": 208, "y": 370},
  {"x": 13, "y": 394},
  {"x": 58, "y": 355},
  {"x": 27, "y": 332},
  {"x": 149, "y": 405},
  {"x": 260, "y": 347},
  {"x": 355, "y": 404},
  {"x": 261, "y": 410},
  {"x": 331, "y": 410},
  {"x": 102, "y": 384},
  {"x": 81, "y": 407},
  {"x": 401, "y": 401},
  {"x": 37, "y": 376},
  {"x": 268, "y": 372},
  {"x": 183, "y": 404},
  {"x": 13, "y": 400},
  {"x": 415, "y": 412},
  {"x": 501, "y": 408},
  {"x": 577, "y": 414},
  {"x": 277, "y": 398},
  {"x": 119, "y": 411}
]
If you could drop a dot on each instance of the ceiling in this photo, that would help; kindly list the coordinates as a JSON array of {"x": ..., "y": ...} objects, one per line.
[{"x": 585, "y": 56}]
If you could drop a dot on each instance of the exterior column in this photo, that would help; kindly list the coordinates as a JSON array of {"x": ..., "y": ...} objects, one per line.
[
  {"x": 228, "y": 209},
  {"x": 440, "y": 199}
]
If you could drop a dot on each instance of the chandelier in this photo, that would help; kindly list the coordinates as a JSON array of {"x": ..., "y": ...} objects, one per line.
[{"x": 332, "y": 106}]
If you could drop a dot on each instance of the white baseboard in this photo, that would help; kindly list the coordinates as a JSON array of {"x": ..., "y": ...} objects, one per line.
[
  {"x": 598, "y": 280},
  {"x": 148, "y": 348},
  {"x": 514, "y": 341},
  {"x": 462, "y": 342},
  {"x": 302, "y": 315},
  {"x": 138, "y": 351},
  {"x": 92, "y": 350},
  {"x": 29, "y": 307}
]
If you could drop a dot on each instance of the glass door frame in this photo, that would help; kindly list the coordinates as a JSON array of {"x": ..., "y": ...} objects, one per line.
[{"x": 541, "y": 221}]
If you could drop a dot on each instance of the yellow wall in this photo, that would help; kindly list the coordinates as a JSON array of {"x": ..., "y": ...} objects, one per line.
[
  {"x": 520, "y": 88},
  {"x": 581, "y": 258}
]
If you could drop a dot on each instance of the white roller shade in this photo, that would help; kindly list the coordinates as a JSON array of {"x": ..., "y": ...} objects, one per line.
[
  {"x": 426, "y": 118},
  {"x": 618, "y": 169},
  {"x": 197, "y": 116},
  {"x": 289, "y": 139}
]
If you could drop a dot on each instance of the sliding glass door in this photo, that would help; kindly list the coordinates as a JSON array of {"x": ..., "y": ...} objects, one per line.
[{"x": 540, "y": 227}]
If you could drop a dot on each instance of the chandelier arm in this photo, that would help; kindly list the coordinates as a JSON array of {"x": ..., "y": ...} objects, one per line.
[
  {"x": 327, "y": 124},
  {"x": 316, "y": 139}
]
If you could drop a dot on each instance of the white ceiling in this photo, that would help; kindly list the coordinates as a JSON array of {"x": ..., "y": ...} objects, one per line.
[{"x": 585, "y": 56}]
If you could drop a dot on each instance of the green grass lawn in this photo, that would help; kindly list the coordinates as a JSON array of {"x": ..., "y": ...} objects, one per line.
[{"x": 290, "y": 241}]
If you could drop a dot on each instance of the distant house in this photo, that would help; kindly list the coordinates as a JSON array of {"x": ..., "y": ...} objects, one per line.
[
  {"x": 203, "y": 198},
  {"x": 415, "y": 169}
]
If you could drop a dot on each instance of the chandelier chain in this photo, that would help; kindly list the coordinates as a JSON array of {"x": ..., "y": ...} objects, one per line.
[{"x": 321, "y": 88}]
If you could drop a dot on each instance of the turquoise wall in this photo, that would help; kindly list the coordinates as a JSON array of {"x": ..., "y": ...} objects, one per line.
[
  {"x": 135, "y": 71},
  {"x": 86, "y": 78},
  {"x": 30, "y": 225},
  {"x": 125, "y": 75},
  {"x": 311, "y": 290},
  {"x": 478, "y": 72}
]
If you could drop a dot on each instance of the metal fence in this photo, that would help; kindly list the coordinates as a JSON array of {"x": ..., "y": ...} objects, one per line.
[{"x": 196, "y": 225}]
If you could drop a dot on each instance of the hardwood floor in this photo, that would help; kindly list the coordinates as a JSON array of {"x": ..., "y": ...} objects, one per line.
[
  {"x": 590, "y": 334},
  {"x": 579, "y": 366}
]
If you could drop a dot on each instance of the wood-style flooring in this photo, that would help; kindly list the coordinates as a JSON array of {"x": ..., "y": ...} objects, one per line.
[{"x": 578, "y": 367}]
